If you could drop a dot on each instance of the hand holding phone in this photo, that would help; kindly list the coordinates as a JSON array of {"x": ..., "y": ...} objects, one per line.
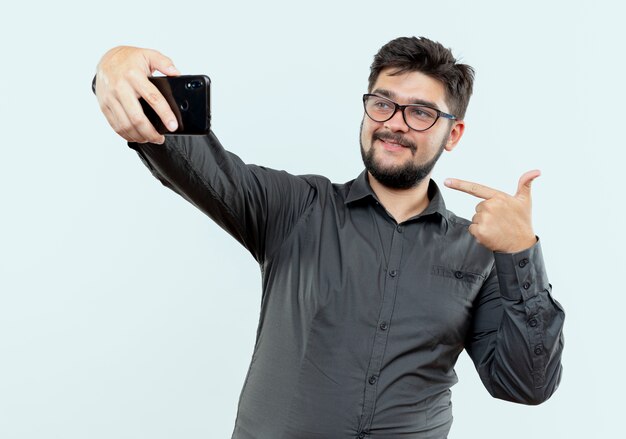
[{"x": 123, "y": 76}]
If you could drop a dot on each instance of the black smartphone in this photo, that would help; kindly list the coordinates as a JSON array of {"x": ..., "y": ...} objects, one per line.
[{"x": 189, "y": 97}]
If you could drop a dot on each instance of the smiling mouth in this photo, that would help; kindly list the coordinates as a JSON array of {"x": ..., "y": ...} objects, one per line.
[
  {"x": 395, "y": 144},
  {"x": 392, "y": 142}
]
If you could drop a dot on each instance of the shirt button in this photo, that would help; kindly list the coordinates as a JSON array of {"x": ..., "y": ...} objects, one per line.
[
  {"x": 384, "y": 326},
  {"x": 393, "y": 273},
  {"x": 458, "y": 274},
  {"x": 361, "y": 435},
  {"x": 523, "y": 263},
  {"x": 532, "y": 323},
  {"x": 526, "y": 285},
  {"x": 399, "y": 229},
  {"x": 372, "y": 379},
  {"x": 538, "y": 349}
]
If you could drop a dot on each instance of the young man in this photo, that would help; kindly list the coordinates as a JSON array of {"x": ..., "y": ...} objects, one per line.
[{"x": 371, "y": 289}]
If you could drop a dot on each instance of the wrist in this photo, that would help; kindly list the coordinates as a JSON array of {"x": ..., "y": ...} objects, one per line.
[{"x": 521, "y": 245}]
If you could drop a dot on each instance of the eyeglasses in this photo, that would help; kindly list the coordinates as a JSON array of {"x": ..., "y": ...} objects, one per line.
[{"x": 419, "y": 117}]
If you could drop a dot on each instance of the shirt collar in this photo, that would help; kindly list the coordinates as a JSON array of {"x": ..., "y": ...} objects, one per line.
[{"x": 361, "y": 189}]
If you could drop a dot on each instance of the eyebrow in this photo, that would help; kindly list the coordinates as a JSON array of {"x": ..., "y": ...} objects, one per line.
[{"x": 391, "y": 95}]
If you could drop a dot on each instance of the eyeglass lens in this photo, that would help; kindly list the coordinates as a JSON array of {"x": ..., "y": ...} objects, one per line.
[{"x": 417, "y": 117}]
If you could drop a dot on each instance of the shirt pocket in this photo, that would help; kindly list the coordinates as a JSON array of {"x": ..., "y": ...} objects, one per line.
[
  {"x": 445, "y": 302},
  {"x": 460, "y": 275}
]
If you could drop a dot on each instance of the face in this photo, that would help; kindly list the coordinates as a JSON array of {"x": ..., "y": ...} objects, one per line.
[{"x": 394, "y": 154}]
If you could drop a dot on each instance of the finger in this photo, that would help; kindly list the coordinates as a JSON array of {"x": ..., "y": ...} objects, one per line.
[
  {"x": 148, "y": 91},
  {"x": 137, "y": 118},
  {"x": 472, "y": 229},
  {"x": 525, "y": 182},
  {"x": 480, "y": 207},
  {"x": 161, "y": 63},
  {"x": 116, "y": 116},
  {"x": 122, "y": 125},
  {"x": 478, "y": 218},
  {"x": 478, "y": 190}
]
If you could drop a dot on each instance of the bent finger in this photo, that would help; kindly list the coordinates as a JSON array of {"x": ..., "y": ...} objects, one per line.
[
  {"x": 153, "y": 97},
  {"x": 138, "y": 120},
  {"x": 122, "y": 125}
]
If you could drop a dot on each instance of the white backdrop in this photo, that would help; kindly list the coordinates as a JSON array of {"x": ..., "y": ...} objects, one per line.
[{"x": 125, "y": 313}]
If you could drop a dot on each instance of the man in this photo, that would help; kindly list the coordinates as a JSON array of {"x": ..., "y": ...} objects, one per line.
[{"x": 371, "y": 289}]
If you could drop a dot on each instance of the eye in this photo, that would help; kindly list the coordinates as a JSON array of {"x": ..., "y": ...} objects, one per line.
[
  {"x": 382, "y": 105},
  {"x": 422, "y": 113}
]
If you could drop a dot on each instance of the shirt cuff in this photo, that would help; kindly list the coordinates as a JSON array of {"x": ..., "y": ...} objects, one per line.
[{"x": 522, "y": 275}]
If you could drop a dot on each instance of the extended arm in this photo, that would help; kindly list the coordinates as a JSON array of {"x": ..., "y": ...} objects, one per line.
[{"x": 256, "y": 205}]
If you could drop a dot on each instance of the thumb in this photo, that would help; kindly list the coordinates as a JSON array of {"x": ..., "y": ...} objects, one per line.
[
  {"x": 161, "y": 63},
  {"x": 525, "y": 181}
]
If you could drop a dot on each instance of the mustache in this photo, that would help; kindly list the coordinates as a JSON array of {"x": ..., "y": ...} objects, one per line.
[{"x": 396, "y": 138}]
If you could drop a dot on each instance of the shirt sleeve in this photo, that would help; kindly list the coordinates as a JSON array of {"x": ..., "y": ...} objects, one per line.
[
  {"x": 516, "y": 339},
  {"x": 256, "y": 205}
]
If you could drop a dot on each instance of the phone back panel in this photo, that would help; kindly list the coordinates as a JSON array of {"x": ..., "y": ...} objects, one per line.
[{"x": 189, "y": 97}]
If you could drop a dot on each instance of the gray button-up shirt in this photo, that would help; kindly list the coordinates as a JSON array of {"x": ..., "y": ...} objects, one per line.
[{"x": 362, "y": 319}]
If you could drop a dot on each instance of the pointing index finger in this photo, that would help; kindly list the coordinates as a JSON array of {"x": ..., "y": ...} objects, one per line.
[{"x": 478, "y": 190}]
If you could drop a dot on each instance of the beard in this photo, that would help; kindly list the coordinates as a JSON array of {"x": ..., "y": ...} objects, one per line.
[{"x": 403, "y": 176}]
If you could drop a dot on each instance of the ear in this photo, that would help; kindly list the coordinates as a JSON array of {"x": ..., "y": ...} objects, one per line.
[{"x": 455, "y": 135}]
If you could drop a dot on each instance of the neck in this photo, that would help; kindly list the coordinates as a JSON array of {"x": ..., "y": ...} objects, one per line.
[{"x": 402, "y": 204}]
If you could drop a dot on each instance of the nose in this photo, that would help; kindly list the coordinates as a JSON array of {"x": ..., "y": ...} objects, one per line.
[{"x": 397, "y": 123}]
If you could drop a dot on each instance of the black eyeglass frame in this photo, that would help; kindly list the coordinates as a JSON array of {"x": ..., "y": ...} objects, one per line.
[{"x": 402, "y": 108}]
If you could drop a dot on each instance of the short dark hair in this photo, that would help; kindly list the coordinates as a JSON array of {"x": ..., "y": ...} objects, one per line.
[{"x": 412, "y": 54}]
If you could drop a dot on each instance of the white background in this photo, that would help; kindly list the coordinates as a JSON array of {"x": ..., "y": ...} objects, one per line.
[{"x": 125, "y": 313}]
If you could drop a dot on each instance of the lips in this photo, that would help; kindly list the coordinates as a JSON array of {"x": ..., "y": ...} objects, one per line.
[{"x": 391, "y": 142}]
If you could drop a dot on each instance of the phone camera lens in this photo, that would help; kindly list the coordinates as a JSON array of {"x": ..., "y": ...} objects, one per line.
[
  {"x": 192, "y": 85},
  {"x": 184, "y": 105}
]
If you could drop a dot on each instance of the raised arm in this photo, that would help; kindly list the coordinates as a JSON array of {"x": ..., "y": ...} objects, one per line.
[{"x": 256, "y": 205}]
